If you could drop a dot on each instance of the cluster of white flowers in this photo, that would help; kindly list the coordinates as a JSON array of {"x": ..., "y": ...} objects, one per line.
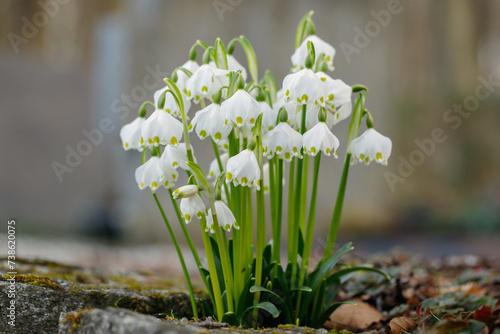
[{"x": 304, "y": 90}]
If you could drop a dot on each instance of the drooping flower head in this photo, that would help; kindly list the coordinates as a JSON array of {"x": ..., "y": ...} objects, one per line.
[
  {"x": 240, "y": 109},
  {"x": 269, "y": 116},
  {"x": 302, "y": 87},
  {"x": 130, "y": 134},
  {"x": 192, "y": 206},
  {"x": 161, "y": 128},
  {"x": 209, "y": 122},
  {"x": 283, "y": 141},
  {"x": 335, "y": 97},
  {"x": 233, "y": 65},
  {"x": 170, "y": 105},
  {"x": 224, "y": 215},
  {"x": 371, "y": 146},
  {"x": 176, "y": 156},
  {"x": 205, "y": 82},
  {"x": 182, "y": 77},
  {"x": 244, "y": 169},
  {"x": 185, "y": 191},
  {"x": 214, "y": 170},
  {"x": 150, "y": 174},
  {"x": 299, "y": 56},
  {"x": 320, "y": 138}
]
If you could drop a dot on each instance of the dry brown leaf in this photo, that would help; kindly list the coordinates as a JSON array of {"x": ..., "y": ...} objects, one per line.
[
  {"x": 472, "y": 288},
  {"x": 400, "y": 324},
  {"x": 359, "y": 316}
]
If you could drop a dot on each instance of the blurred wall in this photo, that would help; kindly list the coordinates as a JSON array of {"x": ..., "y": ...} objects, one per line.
[{"x": 73, "y": 71}]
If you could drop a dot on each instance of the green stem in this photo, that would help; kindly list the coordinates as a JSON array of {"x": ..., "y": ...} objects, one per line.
[
  {"x": 291, "y": 191},
  {"x": 279, "y": 213},
  {"x": 184, "y": 229},
  {"x": 226, "y": 265},
  {"x": 298, "y": 204},
  {"x": 334, "y": 227},
  {"x": 310, "y": 229},
  {"x": 214, "y": 278},
  {"x": 250, "y": 231},
  {"x": 181, "y": 257},
  {"x": 303, "y": 198},
  {"x": 221, "y": 170},
  {"x": 353, "y": 132}
]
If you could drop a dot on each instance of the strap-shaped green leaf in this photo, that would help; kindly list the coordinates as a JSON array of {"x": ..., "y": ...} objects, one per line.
[
  {"x": 251, "y": 58},
  {"x": 266, "y": 306},
  {"x": 198, "y": 173},
  {"x": 220, "y": 54},
  {"x": 301, "y": 32}
]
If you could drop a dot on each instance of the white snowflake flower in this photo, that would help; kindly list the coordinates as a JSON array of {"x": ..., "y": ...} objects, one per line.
[
  {"x": 130, "y": 134},
  {"x": 176, "y": 156},
  {"x": 209, "y": 122},
  {"x": 284, "y": 141},
  {"x": 299, "y": 56},
  {"x": 371, "y": 146},
  {"x": 205, "y": 82},
  {"x": 302, "y": 87},
  {"x": 241, "y": 109},
  {"x": 161, "y": 128},
  {"x": 224, "y": 215},
  {"x": 192, "y": 206},
  {"x": 320, "y": 138},
  {"x": 170, "y": 105},
  {"x": 150, "y": 174},
  {"x": 214, "y": 170},
  {"x": 244, "y": 169}
]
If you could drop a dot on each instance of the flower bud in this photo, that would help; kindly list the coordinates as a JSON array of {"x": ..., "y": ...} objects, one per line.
[
  {"x": 192, "y": 53},
  {"x": 252, "y": 144},
  {"x": 283, "y": 115},
  {"x": 185, "y": 191},
  {"x": 308, "y": 63},
  {"x": 322, "y": 115},
  {"x": 241, "y": 82},
  {"x": 358, "y": 88},
  {"x": 161, "y": 100}
]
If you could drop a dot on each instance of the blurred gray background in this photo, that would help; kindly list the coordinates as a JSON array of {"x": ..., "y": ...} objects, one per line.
[{"x": 67, "y": 66}]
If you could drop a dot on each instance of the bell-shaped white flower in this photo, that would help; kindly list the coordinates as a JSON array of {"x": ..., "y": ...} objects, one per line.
[
  {"x": 233, "y": 65},
  {"x": 209, "y": 122},
  {"x": 224, "y": 215},
  {"x": 130, "y": 134},
  {"x": 243, "y": 169},
  {"x": 320, "y": 138},
  {"x": 240, "y": 109},
  {"x": 339, "y": 114},
  {"x": 192, "y": 206},
  {"x": 284, "y": 141},
  {"x": 205, "y": 82},
  {"x": 182, "y": 77},
  {"x": 299, "y": 56},
  {"x": 170, "y": 175},
  {"x": 176, "y": 156},
  {"x": 161, "y": 128},
  {"x": 150, "y": 174},
  {"x": 185, "y": 191},
  {"x": 269, "y": 116},
  {"x": 291, "y": 108},
  {"x": 311, "y": 117},
  {"x": 170, "y": 105},
  {"x": 371, "y": 146},
  {"x": 214, "y": 170},
  {"x": 302, "y": 87}
]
